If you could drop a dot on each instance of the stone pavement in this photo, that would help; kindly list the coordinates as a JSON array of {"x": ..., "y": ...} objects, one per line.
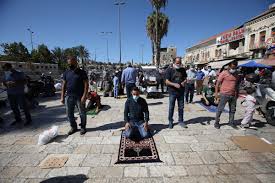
[{"x": 197, "y": 154}]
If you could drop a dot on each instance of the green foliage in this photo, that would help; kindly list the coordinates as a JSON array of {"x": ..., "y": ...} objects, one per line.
[{"x": 15, "y": 52}]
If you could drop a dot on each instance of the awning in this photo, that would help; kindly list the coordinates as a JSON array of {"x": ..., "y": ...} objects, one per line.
[
  {"x": 241, "y": 62},
  {"x": 219, "y": 64},
  {"x": 254, "y": 64}
]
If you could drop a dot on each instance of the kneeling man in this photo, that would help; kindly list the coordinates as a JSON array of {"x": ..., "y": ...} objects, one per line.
[{"x": 136, "y": 115}]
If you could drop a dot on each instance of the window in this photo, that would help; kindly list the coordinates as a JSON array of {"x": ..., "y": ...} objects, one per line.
[
  {"x": 273, "y": 32},
  {"x": 262, "y": 37},
  {"x": 252, "y": 41}
]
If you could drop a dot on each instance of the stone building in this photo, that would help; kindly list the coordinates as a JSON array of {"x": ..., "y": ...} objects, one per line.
[{"x": 167, "y": 55}]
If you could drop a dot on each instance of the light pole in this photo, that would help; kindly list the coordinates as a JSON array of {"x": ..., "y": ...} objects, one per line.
[
  {"x": 119, "y": 3},
  {"x": 31, "y": 33},
  {"x": 107, "y": 44}
]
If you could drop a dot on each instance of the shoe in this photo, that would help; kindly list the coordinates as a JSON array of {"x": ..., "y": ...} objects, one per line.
[
  {"x": 233, "y": 126},
  {"x": 183, "y": 125},
  {"x": 28, "y": 123},
  {"x": 83, "y": 131},
  {"x": 217, "y": 125},
  {"x": 72, "y": 131},
  {"x": 170, "y": 125}
]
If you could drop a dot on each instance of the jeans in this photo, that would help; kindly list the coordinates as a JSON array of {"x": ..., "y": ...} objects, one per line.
[
  {"x": 116, "y": 91},
  {"x": 189, "y": 89},
  {"x": 129, "y": 87},
  {"x": 71, "y": 102},
  {"x": 134, "y": 127},
  {"x": 232, "y": 102},
  {"x": 199, "y": 86},
  {"x": 17, "y": 101},
  {"x": 172, "y": 100},
  {"x": 161, "y": 83}
]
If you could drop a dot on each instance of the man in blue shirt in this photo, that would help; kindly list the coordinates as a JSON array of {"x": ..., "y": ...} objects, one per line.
[
  {"x": 199, "y": 81},
  {"x": 75, "y": 84},
  {"x": 15, "y": 81},
  {"x": 128, "y": 78}
]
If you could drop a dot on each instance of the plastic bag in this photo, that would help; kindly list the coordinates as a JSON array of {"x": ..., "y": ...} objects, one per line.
[{"x": 48, "y": 135}]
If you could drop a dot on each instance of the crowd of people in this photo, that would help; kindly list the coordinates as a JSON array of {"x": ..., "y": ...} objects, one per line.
[{"x": 216, "y": 88}]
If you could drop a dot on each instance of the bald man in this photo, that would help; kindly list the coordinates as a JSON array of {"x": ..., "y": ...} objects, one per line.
[{"x": 74, "y": 93}]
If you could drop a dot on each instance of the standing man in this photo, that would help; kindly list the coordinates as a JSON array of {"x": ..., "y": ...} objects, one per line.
[
  {"x": 116, "y": 84},
  {"x": 175, "y": 80},
  {"x": 228, "y": 87},
  {"x": 15, "y": 81},
  {"x": 136, "y": 115},
  {"x": 128, "y": 78},
  {"x": 190, "y": 85},
  {"x": 161, "y": 80},
  {"x": 199, "y": 81},
  {"x": 75, "y": 85}
]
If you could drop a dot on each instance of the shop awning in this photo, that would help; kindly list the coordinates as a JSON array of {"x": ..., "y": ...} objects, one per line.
[{"x": 219, "y": 64}]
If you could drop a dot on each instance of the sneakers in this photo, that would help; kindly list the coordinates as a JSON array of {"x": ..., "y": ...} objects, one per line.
[
  {"x": 183, "y": 125},
  {"x": 72, "y": 131},
  {"x": 83, "y": 131},
  {"x": 217, "y": 125}
]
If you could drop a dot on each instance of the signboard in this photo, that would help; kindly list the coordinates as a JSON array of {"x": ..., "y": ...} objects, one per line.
[{"x": 230, "y": 36}]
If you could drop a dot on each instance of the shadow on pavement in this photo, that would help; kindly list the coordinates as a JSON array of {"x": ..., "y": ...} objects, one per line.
[
  {"x": 155, "y": 103},
  {"x": 109, "y": 126},
  {"x": 80, "y": 178},
  {"x": 202, "y": 120}
]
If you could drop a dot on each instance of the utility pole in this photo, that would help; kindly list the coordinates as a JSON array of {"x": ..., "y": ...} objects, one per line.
[
  {"x": 95, "y": 55},
  {"x": 31, "y": 33},
  {"x": 107, "y": 43},
  {"x": 119, "y": 3}
]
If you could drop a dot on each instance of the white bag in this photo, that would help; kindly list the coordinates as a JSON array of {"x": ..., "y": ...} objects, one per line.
[{"x": 48, "y": 135}]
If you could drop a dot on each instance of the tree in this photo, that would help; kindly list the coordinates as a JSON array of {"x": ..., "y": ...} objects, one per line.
[
  {"x": 83, "y": 53},
  {"x": 15, "y": 52},
  {"x": 45, "y": 56},
  {"x": 156, "y": 33},
  {"x": 71, "y": 52},
  {"x": 59, "y": 57},
  {"x": 158, "y": 4}
]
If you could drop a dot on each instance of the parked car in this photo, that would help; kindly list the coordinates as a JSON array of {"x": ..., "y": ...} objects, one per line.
[{"x": 3, "y": 96}]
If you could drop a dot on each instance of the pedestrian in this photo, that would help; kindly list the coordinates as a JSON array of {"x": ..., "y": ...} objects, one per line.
[
  {"x": 208, "y": 97},
  {"x": 136, "y": 115},
  {"x": 199, "y": 81},
  {"x": 128, "y": 78},
  {"x": 228, "y": 88},
  {"x": 175, "y": 80},
  {"x": 15, "y": 81},
  {"x": 212, "y": 73},
  {"x": 190, "y": 85},
  {"x": 249, "y": 103},
  {"x": 116, "y": 83},
  {"x": 205, "y": 71},
  {"x": 160, "y": 79},
  {"x": 74, "y": 93},
  {"x": 273, "y": 78}
]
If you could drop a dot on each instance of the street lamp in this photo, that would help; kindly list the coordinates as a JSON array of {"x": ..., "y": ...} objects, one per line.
[
  {"x": 142, "y": 46},
  {"x": 31, "y": 33},
  {"x": 107, "y": 47},
  {"x": 119, "y": 3}
]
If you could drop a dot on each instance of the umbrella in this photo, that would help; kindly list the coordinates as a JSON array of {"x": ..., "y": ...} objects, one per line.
[{"x": 252, "y": 63}]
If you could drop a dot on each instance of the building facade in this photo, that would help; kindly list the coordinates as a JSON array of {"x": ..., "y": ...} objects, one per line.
[
  {"x": 167, "y": 55},
  {"x": 248, "y": 41}
]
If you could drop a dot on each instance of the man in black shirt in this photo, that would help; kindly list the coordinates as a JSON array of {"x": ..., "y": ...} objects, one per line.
[
  {"x": 175, "y": 80},
  {"x": 75, "y": 84},
  {"x": 136, "y": 115}
]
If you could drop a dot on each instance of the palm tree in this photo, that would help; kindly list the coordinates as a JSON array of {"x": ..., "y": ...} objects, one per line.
[
  {"x": 158, "y": 4},
  {"x": 156, "y": 33},
  {"x": 83, "y": 53}
]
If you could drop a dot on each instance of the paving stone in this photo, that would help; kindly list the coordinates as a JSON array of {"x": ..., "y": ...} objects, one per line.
[
  {"x": 223, "y": 169},
  {"x": 189, "y": 179},
  {"x": 60, "y": 149},
  {"x": 96, "y": 160},
  {"x": 110, "y": 149},
  {"x": 96, "y": 149},
  {"x": 106, "y": 172},
  {"x": 87, "y": 140},
  {"x": 65, "y": 171},
  {"x": 167, "y": 158},
  {"x": 31, "y": 149},
  {"x": 209, "y": 147},
  {"x": 24, "y": 160},
  {"x": 26, "y": 141},
  {"x": 33, "y": 172},
  {"x": 13, "y": 180},
  {"x": 111, "y": 140},
  {"x": 135, "y": 172},
  {"x": 211, "y": 157},
  {"x": 10, "y": 172},
  {"x": 167, "y": 171},
  {"x": 180, "y": 139},
  {"x": 180, "y": 148},
  {"x": 187, "y": 158},
  {"x": 262, "y": 167},
  {"x": 75, "y": 159},
  {"x": 266, "y": 178},
  {"x": 82, "y": 149},
  {"x": 237, "y": 156},
  {"x": 197, "y": 170},
  {"x": 138, "y": 180},
  {"x": 5, "y": 158}
]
